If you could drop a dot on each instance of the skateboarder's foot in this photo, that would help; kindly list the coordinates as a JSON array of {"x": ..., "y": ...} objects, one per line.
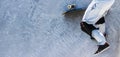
[{"x": 102, "y": 48}]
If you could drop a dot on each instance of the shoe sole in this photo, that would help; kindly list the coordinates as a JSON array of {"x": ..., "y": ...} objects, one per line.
[{"x": 103, "y": 50}]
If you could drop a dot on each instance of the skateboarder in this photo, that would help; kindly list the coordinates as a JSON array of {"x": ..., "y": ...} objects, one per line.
[{"x": 93, "y": 22}]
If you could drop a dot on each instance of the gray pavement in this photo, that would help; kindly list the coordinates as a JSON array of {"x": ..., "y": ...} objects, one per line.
[{"x": 37, "y": 28}]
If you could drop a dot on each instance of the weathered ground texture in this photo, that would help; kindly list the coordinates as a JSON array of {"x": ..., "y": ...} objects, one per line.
[{"x": 37, "y": 28}]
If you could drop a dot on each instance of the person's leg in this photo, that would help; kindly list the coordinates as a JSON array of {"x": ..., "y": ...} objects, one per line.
[
  {"x": 102, "y": 28},
  {"x": 93, "y": 32},
  {"x": 95, "y": 11},
  {"x": 87, "y": 28},
  {"x": 101, "y": 25},
  {"x": 89, "y": 9},
  {"x": 92, "y": 15},
  {"x": 99, "y": 37}
]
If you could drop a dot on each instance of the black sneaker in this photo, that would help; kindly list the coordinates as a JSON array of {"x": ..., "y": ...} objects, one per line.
[{"x": 102, "y": 48}]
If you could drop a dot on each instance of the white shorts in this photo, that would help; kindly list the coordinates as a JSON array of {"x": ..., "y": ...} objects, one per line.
[{"x": 96, "y": 10}]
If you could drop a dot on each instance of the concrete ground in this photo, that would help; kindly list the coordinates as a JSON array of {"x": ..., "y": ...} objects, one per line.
[{"x": 37, "y": 28}]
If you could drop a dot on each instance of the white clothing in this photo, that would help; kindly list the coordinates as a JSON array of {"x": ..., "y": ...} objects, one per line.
[{"x": 96, "y": 10}]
